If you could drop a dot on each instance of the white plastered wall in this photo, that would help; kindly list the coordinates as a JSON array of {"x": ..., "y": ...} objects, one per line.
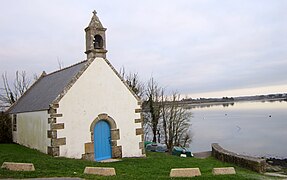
[
  {"x": 32, "y": 130},
  {"x": 98, "y": 90}
]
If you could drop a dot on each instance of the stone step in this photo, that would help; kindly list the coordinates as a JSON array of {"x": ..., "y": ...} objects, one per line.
[
  {"x": 12, "y": 166},
  {"x": 102, "y": 171},
  {"x": 185, "y": 172}
]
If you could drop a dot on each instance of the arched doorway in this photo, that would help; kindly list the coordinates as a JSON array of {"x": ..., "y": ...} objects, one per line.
[
  {"x": 90, "y": 147},
  {"x": 102, "y": 140}
]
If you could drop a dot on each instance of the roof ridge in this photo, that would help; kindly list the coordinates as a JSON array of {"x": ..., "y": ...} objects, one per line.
[
  {"x": 73, "y": 80},
  {"x": 66, "y": 67}
]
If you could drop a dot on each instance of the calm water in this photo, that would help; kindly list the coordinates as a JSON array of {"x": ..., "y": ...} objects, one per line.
[{"x": 251, "y": 128}]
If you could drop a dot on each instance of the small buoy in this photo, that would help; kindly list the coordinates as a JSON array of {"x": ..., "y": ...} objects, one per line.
[
  {"x": 225, "y": 114},
  {"x": 269, "y": 115}
]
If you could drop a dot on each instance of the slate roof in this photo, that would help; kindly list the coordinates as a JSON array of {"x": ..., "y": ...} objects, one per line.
[{"x": 44, "y": 91}]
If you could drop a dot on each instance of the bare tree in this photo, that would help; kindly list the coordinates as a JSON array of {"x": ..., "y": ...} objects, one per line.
[
  {"x": 60, "y": 63},
  {"x": 175, "y": 122},
  {"x": 153, "y": 104},
  {"x": 10, "y": 93},
  {"x": 164, "y": 118},
  {"x": 133, "y": 81}
]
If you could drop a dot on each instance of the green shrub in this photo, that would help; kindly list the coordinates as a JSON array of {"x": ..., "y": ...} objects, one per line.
[{"x": 5, "y": 128}]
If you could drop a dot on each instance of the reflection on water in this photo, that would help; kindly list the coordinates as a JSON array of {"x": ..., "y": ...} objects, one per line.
[{"x": 251, "y": 128}]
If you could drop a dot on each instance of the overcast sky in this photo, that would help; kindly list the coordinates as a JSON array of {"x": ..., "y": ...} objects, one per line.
[{"x": 198, "y": 47}]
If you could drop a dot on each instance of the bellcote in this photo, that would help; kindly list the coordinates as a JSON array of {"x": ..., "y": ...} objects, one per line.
[{"x": 95, "y": 38}]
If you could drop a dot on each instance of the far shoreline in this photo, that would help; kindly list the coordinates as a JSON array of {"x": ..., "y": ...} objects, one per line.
[{"x": 226, "y": 103}]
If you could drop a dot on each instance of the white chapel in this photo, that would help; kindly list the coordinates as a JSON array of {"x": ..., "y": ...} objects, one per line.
[{"x": 83, "y": 111}]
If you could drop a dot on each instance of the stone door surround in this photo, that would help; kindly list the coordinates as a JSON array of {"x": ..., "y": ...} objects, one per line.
[{"x": 115, "y": 136}]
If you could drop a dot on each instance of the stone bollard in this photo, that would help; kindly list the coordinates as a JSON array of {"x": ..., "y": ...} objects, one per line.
[
  {"x": 185, "y": 172},
  {"x": 102, "y": 171},
  {"x": 225, "y": 170},
  {"x": 18, "y": 166}
]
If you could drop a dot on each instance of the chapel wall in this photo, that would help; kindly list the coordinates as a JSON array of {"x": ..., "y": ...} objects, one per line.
[{"x": 31, "y": 130}]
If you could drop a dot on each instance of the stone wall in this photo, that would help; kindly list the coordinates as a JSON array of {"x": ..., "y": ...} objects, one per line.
[
  {"x": 52, "y": 133},
  {"x": 255, "y": 164}
]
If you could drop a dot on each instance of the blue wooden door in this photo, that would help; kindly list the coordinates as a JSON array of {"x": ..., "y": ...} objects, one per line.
[{"x": 102, "y": 141}]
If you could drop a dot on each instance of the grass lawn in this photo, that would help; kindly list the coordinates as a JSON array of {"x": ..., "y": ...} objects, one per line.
[{"x": 154, "y": 166}]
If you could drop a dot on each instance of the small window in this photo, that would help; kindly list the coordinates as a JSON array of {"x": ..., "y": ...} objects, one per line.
[{"x": 14, "y": 122}]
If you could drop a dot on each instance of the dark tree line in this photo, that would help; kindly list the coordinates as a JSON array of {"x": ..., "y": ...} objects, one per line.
[{"x": 5, "y": 128}]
